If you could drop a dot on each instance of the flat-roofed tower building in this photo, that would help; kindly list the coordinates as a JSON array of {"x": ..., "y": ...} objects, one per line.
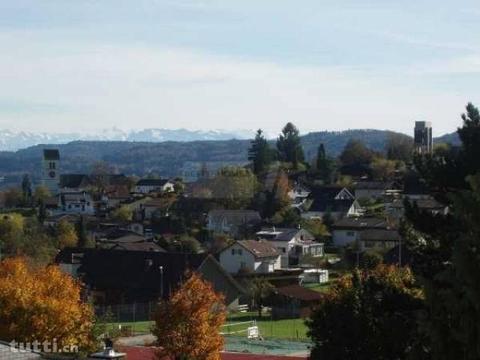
[{"x": 423, "y": 137}]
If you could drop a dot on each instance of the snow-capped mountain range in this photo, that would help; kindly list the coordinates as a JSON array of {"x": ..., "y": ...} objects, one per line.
[{"x": 14, "y": 140}]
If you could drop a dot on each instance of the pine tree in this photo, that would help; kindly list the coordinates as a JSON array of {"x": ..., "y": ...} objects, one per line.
[
  {"x": 325, "y": 165},
  {"x": 289, "y": 147},
  {"x": 260, "y": 153}
]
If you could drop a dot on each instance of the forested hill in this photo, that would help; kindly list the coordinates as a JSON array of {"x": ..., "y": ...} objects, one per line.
[{"x": 169, "y": 158}]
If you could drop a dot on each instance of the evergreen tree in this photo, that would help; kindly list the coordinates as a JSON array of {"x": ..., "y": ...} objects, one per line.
[
  {"x": 289, "y": 147},
  {"x": 82, "y": 233},
  {"x": 325, "y": 165},
  {"x": 26, "y": 189},
  {"x": 260, "y": 153},
  {"x": 445, "y": 247},
  {"x": 368, "y": 315}
]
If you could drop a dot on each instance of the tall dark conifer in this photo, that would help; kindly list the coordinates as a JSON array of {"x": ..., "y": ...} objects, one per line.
[
  {"x": 260, "y": 153},
  {"x": 289, "y": 147}
]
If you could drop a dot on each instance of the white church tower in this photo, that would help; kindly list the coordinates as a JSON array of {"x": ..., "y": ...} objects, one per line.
[{"x": 51, "y": 170}]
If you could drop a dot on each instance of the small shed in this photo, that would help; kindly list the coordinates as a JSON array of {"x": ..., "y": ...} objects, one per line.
[{"x": 294, "y": 301}]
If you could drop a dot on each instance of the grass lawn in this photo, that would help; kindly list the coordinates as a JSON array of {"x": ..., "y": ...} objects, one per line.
[
  {"x": 294, "y": 329},
  {"x": 135, "y": 327},
  {"x": 319, "y": 287},
  {"x": 275, "y": 329}
]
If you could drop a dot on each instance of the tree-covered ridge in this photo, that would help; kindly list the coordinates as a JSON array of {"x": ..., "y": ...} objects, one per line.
[{"x": 172, "y": 158}]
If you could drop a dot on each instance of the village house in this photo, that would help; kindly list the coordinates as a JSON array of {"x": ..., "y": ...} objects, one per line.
[
  {"x": 78, "y": 202},
  {"x": 129, "y": 241},
  {"x": 127, "y": 277},
  {"x": 146, "y": 186},
  {"x": 250, "y": 256},
  {"x": 292, "y": 244},
  {"x": 375, "y": 190},
  {"x": 347, "y": 230},
  {"x": 236, "y": 223},
  {"x": 337, "y": 202},
  {"x": 396, "y": 208},
  {"x": 298, "y": 194},
  {"x": 379, "y": 239}
]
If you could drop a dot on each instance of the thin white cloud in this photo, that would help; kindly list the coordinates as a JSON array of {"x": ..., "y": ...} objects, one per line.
[{"x": 135, "y": 87}]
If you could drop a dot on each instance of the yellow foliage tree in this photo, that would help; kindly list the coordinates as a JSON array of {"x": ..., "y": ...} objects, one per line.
[
  {"x": 66, "y": 234},
  {"x": 43, "y": 304},
  {"x": 123, "y": 213},
  {"x": 188, "y": 325}
]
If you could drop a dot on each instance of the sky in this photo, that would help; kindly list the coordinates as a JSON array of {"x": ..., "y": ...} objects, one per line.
[{"x": 81, "y": 66}]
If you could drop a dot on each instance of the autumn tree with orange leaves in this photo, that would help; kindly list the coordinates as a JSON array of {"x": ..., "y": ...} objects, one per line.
[
  {"x": 188, "y": 325},
  {"x": 43, "y": 304}
]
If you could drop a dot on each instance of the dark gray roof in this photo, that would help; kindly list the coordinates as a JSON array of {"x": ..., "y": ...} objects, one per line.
[
  {"x": 361, "y": 223},
  {"x": 325, "y": 198},
  {"x": 73, "y": 181},
  {"x": 380, "y": 235},
  {"x": 374, "y": 185},
  {"x": 79, "y": 180},
  {"x": 135, "y": 246},
  {"x": 152, "y": 182},
  {"x": 51, "y": 154}
]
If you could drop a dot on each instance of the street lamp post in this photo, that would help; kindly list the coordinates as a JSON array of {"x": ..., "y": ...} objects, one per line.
[{"x": 161, "y": 282}]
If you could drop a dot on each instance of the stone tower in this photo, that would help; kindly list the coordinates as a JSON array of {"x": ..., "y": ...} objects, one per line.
[{"x": 51, "y": 170}]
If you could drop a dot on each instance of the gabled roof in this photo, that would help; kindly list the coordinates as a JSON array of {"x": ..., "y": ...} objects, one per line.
[
  {"x": 259, "y": 248},
  {"x": 51, "y": 154},
  {"x": 361, "y": 223},
  {"x": 132, "y": 271},
  {"x": 134, "y": 246},
  {"x": 299, "y": 293},
  {"x": 282, "y": 234},
  {"x": 74, "y": 181},
  {"x": 374, "y": 185},
  {"x": 329, "y": 198},
  {"x": 380, "y": 235},
  {"x": 152, "y": 182}
]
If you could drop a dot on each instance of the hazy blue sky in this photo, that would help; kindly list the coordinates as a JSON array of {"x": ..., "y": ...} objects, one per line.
[{"x": 79, "y": 65}]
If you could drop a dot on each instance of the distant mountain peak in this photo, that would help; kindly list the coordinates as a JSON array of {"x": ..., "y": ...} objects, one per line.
[{"x": 15, "y": 140}]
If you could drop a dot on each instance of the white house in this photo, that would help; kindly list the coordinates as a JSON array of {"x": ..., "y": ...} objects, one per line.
[
  {"x": 298, "y": 195},
  {"x": 145, "y": 186},
  {"x": 78, "y": 202},
  {"x": 250, "y": 256},
  {"x": 292, "y": 244}
]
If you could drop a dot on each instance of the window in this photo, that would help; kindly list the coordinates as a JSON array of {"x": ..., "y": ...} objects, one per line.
[
  {"x": 350, "y": 233},
  {"x": 237, "y": 252},
  {"x": 243, "y": 265},
  {"x": 51, "y": 166}
]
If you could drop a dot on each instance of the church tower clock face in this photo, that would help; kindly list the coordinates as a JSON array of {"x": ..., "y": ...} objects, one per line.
[{"x": 52, "y": 174}]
